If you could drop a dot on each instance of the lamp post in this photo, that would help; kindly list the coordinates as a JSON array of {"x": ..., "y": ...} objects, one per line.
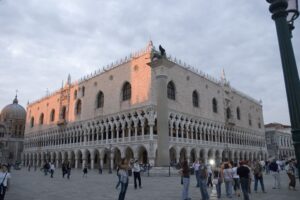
[{"x": 284, "y": 12}]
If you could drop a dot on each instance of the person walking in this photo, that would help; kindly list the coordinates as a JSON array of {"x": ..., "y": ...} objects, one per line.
[
  {"x": 85, "y": 171},
  {"x": 4, "y": 176},
  {"x": 202, "y": 179},
  {"x": 243, "y": 172},
  {"x": 274, "y": 170},
  {"x": 228, "y": 179},
  {"x": 185, "y": 171},
  {"x": 100, "y": 169},
  {"x": 196, "y": 171},
  {"x": 291, "y": 171},
  {"x": 209, "y": 174},
  {"x": 64, "y": 169},
  {"x": 218, "y": 176},
  {"x": 137, "y": 174},
  {"x": 68, "y": 168},
  {"x": 236, "y": 180},
  {"x": 52, "y": 169},
  {"x": 258, "y": 176},
  {"x": 123, "y": 171}
]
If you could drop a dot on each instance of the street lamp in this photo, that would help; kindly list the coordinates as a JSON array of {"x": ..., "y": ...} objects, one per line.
[{"x": 284, "y": 12}]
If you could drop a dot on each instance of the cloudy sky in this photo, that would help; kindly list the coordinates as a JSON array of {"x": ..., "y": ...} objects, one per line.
[{"x": 41, "y": 42}]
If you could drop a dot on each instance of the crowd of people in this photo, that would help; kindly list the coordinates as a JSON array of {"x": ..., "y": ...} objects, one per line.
[{"x": 237, "y": 177}]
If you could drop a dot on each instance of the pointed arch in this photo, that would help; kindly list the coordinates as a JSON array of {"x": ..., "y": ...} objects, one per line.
[
  {"x": 195, "y": 99},
  {"x": 100, "y": 100},
  {"x": 52, "y": 115},
  {"x": 171, "y": 90},
  {"x": 238, "y": 113},
  {"x": 78, "y": 107},
  {"x": 214, "y": 105},
  {"x": 41, "y": 120},
  {"x": 126, "y": 91}
]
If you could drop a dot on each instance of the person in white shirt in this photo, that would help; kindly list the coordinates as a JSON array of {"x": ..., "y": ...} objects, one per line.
[
  {"x": 4, "y": 176},
  {"x": 196, "y": 165},
  {"x": 137, "y": 174},
  {"x": 52, "y": 169},
  {"x": 236, "y": 180}
]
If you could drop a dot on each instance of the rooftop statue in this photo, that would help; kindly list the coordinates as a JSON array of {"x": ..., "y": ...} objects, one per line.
[{"x": 155, "y": 55}]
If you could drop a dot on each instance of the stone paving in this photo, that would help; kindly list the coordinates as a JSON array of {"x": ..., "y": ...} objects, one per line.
[{"x": 34, "y": 185}]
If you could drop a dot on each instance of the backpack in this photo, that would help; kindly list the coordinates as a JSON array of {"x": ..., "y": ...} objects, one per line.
[
  {"x": 2, "y": 186},
  {"x": 273, "y": 167},
  {"x": 202, "y": 171},
  {"x": 257, "y": 169}
]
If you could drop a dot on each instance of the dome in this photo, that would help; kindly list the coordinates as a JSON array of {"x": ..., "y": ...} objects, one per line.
[{"x": 13, "y": 111}]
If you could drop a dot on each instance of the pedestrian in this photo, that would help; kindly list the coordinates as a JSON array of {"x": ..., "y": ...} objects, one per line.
[
  {"x": 291, "y": 171},
  {"x": 218, "y": 177},
  {"x": 258, "y": 176},
  {"x": 29, "y": 166},
  {"x": 68, "y": 170},
  {"x": 236, "y": 180},
  {"x": 119, "y": 178},
  {"x": 85, "y": 171},
  {"x": 123, "y": 171},
  {"x": 202, "y": 179},
  {"x": 209, "y": 178},
  {"x": 64, "y": 169},
  {"x": 196, "y": 171},
  {"x": 100, "y": 169},
  {"x": 52, "y": 169},
  {"x": 4, "y": 181},
  {"x": 137, "y": 174},
  {"x": 228, "y": 179},
  {"x": 46, "y": 168},
  {"x": 248, "y": 164},
  {"x": 274, "y": 170},
  {"x": 244, "y": 172},
  {"x": 185, "y": 173}
]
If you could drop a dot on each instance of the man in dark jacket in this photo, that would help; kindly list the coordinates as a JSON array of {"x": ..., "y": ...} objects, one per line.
[{"x": 244, "y": 172}]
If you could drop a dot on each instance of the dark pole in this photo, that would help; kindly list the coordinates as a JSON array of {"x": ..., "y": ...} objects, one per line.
[{"x": 290, "y": 72}]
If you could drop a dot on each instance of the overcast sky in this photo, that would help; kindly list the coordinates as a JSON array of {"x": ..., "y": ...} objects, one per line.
[{"x": 42, "y": 41}]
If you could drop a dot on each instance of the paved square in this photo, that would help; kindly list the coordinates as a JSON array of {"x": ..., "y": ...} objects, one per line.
[{"x": 34, "y": 185}]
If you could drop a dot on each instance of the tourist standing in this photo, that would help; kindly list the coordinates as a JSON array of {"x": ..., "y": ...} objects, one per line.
[
  {"x": 236, "y": 180},
  {"x": 291, "y": 171},
  {"x": 123, "y": 171},
  {"x": 64, "y": 169},
  {"x": 52, "y": 169},
  {"x": 137, "y": 174},
  {"x": 202, "y": 180},
  {"x": 85, "y": 171},
  {"x": 244, "y": 172},
  {"x": 100, "y": 169},
  {"x": 228, "y": 179},
  {"x": 68, "y": 170},
  {"x": 209, "y": 174},
  {"x": 196, "y": 171},
  {"x": 219, "y": 177},
  {"x": 185, "y": 171},
  {"x": 258, "y": 176},
  {"x": 4, "y": 176},
  {"x": 274, "y": 170}
]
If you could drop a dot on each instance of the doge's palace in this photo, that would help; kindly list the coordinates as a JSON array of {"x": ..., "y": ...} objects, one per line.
[{"x": 158, "y": 111}]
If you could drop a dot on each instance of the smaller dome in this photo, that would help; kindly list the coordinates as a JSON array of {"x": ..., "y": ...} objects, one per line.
[{"x": 13, "y": 111}]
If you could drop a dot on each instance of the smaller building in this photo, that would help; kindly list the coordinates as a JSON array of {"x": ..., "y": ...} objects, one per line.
[
  {"x": 279, "y": 141},
  {"x": 12, "y": 127}
]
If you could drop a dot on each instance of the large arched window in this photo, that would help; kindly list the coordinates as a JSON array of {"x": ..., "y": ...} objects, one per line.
[
  {"x": 63, "y": 113},
  {"x": 52, "y": 115},
  {"x": 195, "y": 99},
  {"x": 32, "y": 122},
  {"x": 75, "y": 94},
  {"x": 42, "y": 119},
  {"x": 214, "y": 105},
  {"x": 78, "y": 107},
  {"x": 228, "y": 113},
  {"x": 249, "y": 119},
  {"x": 171, "y": 90},
  {"x": 126, "y": 91},
  {"x": 82, "y": 91},
  {"x": 238, "y": 113},
  {"x": 100, "y": 100}
]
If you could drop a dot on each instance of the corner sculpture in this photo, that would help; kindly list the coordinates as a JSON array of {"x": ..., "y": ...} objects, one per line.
[{"x": 156, "y": 55}]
